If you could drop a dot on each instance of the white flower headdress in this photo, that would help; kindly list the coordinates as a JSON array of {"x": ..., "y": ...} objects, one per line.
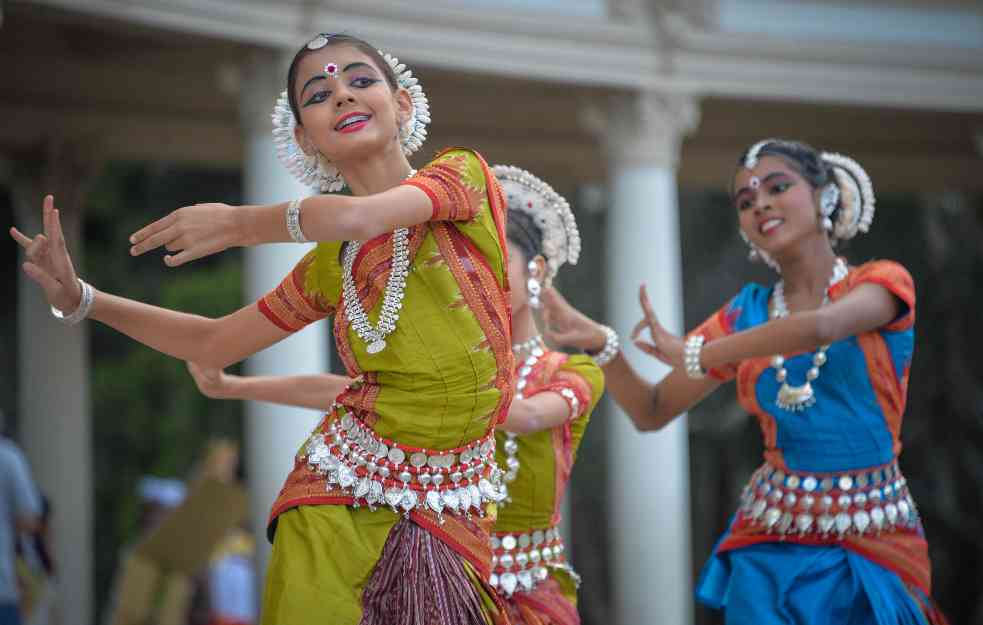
[
  {"x": 314, "y": 170},
  {"x": 528, "y": 194},
  {"x": 856, "y": 196}
]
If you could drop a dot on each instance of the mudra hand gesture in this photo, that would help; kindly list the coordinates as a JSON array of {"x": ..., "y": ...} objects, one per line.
[
  {"x": 567, "y": 326},
  {"x": 664, "y": 345},
  {"x": 48, "y": 263},
  {"x": 192, "y": 232}
]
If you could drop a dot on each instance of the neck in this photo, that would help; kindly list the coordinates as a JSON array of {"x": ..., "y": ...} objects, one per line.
[
  {"x": 376, "y": 174},
  {"x": 807, "y": 268},
  {"x": 523, "y": 325}
]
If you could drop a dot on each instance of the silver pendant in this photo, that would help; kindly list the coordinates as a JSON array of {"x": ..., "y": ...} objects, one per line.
[
  {"x": 376, "y": 346},
  {"x": 795, "y": 398}
]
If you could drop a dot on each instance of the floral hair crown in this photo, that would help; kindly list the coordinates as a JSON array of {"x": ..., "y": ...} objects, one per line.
[{"x": 528, "y": 194}]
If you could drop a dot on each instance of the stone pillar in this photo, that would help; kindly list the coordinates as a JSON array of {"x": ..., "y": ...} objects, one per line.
[
  {"x": 649, "y": 473},
  {"x": 273, "y": 433},
  {"x": 54, "y": 408}
]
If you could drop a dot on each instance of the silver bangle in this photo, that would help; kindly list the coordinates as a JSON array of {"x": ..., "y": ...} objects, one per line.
[
  {"x": 293, "y": 222},
  {"x": 85, "y": 305},
  {"x": 611, "y": 346},
  {"x": 691, "y": 356}
]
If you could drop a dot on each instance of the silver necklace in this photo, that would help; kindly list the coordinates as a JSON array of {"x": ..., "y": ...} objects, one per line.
[
  {"x": 528, "y": 345},
  {"x": 511, "y": 446},
  {"x": 392, "y": 301},
  {"x": 797, "y": 398}
]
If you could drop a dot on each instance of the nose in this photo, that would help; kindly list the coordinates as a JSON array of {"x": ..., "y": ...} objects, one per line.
[{"x": 761, "y": 203}]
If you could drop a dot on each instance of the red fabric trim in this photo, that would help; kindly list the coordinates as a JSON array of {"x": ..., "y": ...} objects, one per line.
[
  {"x": 266, "y": 312},
  {"x": 434, "y": 202}
]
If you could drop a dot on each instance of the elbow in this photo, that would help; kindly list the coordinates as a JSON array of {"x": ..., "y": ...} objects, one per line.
[
  {"x": 650, "y": 421},
  {"x": 213, "y": 347},
  {"x": 356, "y": 224}
]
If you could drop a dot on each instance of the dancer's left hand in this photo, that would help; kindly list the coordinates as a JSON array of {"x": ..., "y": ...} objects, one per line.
[
  {"x": 665, "y": 345},
  {"x": 192, "y": 231}
]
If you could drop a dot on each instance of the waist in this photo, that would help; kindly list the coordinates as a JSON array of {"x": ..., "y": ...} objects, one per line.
[
  {"x": 828, "y": 505},
  {"x": 375, "y": 470},
  {"x": 521, "y": 560}
]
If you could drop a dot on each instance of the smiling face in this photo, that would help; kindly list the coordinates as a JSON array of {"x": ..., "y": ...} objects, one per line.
[
  {"x": 348, "y": 110},
  {"x": 777, "y": 207}
]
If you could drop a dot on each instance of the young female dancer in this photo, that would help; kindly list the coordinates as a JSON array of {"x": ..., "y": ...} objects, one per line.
[
  {"x": 827, "y": 531},
  {"x": 386, "y": 517},
  {"x": 538, "y": 441}
]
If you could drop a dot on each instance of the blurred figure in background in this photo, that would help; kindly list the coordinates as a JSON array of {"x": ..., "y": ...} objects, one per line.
[
  {"x": 20, "y": 511},
  {"x": 36, "y": 570}
]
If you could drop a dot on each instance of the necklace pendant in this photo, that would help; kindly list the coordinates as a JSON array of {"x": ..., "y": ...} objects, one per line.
[
  {"x": 376, "y": 346},
  {"x": 795, "y": 398}
]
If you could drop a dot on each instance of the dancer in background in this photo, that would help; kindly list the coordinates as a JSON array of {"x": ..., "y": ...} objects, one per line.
[
  {"x": 386, "y": 517},
  {"x": 827, "y": 531}
]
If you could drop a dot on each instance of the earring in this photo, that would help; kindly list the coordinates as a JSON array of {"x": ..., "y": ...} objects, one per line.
[
  {"x": 828, "y": 200},
  {"x": 756, "y": 254},
  {"x": 534, "y": 287}
]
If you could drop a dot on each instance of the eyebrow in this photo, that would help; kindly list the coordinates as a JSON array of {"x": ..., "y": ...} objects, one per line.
[
  {"x": 770, "y": 176},
  {"x": 349, "y": 67}
]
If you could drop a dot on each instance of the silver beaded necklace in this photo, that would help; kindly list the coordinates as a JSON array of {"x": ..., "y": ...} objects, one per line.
[
  {"x": 797, "y": 398},
  {"x": 392, "y": 301},
  {"x": 534, "y": 347}
]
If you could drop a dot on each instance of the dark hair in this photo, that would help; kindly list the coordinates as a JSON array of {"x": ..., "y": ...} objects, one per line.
[
  {"x": 523, "y": 231},
  {"x": 335, "y": 40},
  {"x": 802, "y": 156}
]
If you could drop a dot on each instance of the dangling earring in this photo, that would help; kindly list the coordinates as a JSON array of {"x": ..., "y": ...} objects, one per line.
[
  {"x": 405, "y": 130},
  {"x": 534, "y": 287},
  {"x": 755, "y": 254},
  {"x": 828, "y": 200}
]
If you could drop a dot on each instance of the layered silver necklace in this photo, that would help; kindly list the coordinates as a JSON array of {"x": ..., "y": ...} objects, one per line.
[
  {"x": 797, "y": 398},
  {"x": 535, "y": 348},
  {"x": 392, "y": 300}
]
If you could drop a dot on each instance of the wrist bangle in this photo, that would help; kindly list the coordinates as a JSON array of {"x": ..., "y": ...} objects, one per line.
[
  {"x": 293, "y": 222},
  {"x": 611, "y": 346},
  {"x": 85, "y": 305},
  {"x": 691, "y": 356}
]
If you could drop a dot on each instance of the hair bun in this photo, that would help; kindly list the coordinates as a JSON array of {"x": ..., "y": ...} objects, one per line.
[{"x": 856, "y": 196}]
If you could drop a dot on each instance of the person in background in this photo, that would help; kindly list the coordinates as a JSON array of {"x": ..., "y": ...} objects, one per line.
[{"x": 20, "y": 511}]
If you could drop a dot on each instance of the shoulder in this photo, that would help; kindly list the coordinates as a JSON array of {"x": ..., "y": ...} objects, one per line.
[
  {"x": 11, "y": 457},
  {"x": 891, "y": 274},
  {"x": 583, "y": 366},
  {"x": 464, "y": 163}
]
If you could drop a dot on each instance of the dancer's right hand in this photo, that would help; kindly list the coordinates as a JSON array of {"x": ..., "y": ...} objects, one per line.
[
  {"x": 48, "y": 262},
  {"x": 567, "y": 326},
  {"x": 211, "y": 382}
]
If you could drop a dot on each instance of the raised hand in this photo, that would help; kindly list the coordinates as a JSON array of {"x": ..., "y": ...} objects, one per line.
[
  {"x": 48, "y": 263},
  {"x": 567, "y": 326},
  {"x": 665, "y": 345},
  {"x": 192, "y": 231}
]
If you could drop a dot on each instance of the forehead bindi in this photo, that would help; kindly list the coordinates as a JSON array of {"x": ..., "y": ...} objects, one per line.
[
  {"x": 338, "y": 58},
  {"x": 769, "y": 168}
]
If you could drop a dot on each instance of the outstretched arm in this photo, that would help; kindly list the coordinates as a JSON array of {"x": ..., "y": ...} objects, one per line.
[
  {"x": 649, "y": 405},
  {"x": 203, "y": 229},
  {"x": 865, "y": 308},
  {"x": 305, "y": 391},
  {"x": 216, "y": 342}
]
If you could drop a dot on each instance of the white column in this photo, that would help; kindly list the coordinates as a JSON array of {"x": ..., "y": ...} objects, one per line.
[
  {"x": 649, "y": 473},
  {"x": 273, "y": 433},
  {"x": 54, "y": 411}
]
